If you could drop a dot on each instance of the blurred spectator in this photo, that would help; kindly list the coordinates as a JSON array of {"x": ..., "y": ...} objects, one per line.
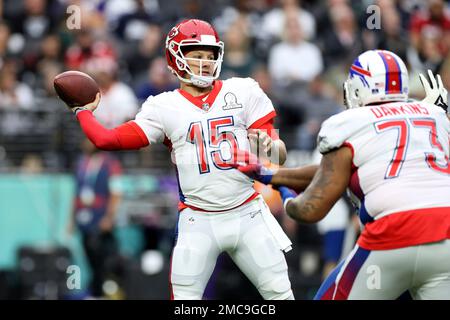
[
  {"x": 343, "y": 40},
  {"x": 92, "y": 17},
  {"x": 290, "y": 74},
  {"x": 32, "y": 164},
  {"x": 113, "y": 10},
  {"x": 159, "y": 80},
  {"x": 238, "y": 60},
  {"x": 13, "y": 94},
  {"x": 275, "y": 19},
  {"x": 46, "y": 73},
  {"x": 392, "y": 36},
  {"x": 176, "y": 10},
  {"x": 445, "y": 72},
  {"x": 87, "y": 48},
  {"x": 317, "y": 105},
  {"x": 132, "y": 26},
  {"x": 249, "y": 13},
  {"x": 232, "y": 10},
  {"x": 404, "y": 9},
  {"x": 51, "y": 49},
  {"x": 5, "y": 42},
  {"x": 33, "y": 20},
  {"x": 287, "y": 60},
  {"x": 322, "y": 14},
  {"x": 97, "y": 199},
  {"x": 426, "y": 56},
  {"x": 261, "y": 75},
  {"x": 30, "y": 26},
  {"x": 435, "y": 19},
  {"x": 50, "y": 59},
  {"x": 138, "y": 57},
  {"x": 118, "y": 103}
]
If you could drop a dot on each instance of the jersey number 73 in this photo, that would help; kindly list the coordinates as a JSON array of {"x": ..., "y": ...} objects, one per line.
[{"x": 403, "y": 128}]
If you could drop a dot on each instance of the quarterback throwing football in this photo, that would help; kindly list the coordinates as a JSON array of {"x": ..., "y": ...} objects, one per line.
[{"x": 203, "y": 123}]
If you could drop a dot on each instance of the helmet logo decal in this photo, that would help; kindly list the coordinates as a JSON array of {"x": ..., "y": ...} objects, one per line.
[
  {"x": 357, "y": 70},
  {"x": 172, "y": 33}
]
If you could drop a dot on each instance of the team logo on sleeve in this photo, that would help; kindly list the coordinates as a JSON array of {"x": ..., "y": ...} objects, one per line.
[{"x": 231, "y": 102}]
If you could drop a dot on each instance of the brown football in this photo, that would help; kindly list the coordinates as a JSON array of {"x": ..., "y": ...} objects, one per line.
[{"x": 75, "y": 88}]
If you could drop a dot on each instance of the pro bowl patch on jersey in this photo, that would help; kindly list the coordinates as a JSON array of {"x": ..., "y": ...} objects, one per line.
[{"x": 231, "y": 102}]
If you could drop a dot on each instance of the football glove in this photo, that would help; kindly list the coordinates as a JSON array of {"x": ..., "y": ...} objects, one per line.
[
  {"x": 435, "y": 91},
  {"x": 248, "y": 164}
]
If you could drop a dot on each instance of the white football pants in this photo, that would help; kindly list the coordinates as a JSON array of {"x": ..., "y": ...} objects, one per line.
[
  {"x": 423, "y": 270},
  {"x": 245, "y": 234}
]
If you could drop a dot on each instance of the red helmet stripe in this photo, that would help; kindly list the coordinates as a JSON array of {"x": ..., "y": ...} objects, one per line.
[{"x": 393, "y": 73}]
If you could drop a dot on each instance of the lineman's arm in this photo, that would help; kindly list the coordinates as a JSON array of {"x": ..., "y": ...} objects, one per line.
[
  {"x": 327, "y": 186},
  {"x": 295, "y": 178}
]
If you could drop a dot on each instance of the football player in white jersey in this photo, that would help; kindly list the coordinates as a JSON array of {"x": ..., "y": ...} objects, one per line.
[
  {"x": 203, "y": 123},
  {"x": 393, "y": 156}
]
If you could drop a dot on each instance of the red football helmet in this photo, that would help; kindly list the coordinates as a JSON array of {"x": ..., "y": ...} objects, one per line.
[{"x": 193, "y": 32}]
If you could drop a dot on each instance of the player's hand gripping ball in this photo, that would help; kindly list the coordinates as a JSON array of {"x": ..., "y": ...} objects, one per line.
[{"x": 77, "y": 89}]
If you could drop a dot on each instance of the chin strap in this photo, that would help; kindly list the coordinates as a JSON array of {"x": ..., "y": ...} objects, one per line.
[
  {"x": 198, "y": 81},
  {"x": 202, "y": 82}
]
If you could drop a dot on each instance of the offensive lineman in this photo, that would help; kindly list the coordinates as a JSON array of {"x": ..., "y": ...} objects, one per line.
[{"x": 393, "y": 156}]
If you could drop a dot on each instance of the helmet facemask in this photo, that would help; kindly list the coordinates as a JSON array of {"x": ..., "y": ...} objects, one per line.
[
  {"x": 177, "y": 50},
  {"x": 351, "y": 98}
]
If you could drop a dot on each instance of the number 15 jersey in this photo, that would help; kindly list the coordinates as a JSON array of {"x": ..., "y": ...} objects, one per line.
[{"x": 201, "y": 133}]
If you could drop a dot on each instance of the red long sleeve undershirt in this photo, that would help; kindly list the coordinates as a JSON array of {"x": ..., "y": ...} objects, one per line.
[
  {"x": 268, "y": 128},
  {"x": 129, "y": 136}
]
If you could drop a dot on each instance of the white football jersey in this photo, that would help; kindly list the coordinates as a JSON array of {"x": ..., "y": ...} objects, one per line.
[
  {"x": 202, "y": 132},
  {"x": 400, "y": 156}
]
